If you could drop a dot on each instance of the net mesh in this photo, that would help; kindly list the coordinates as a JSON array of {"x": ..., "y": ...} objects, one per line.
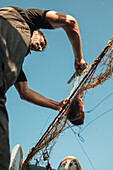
[
  {"x": 97, "y": 73},
  {"x": 101, "y": 69},
  {"x": 41, "y": 152}
]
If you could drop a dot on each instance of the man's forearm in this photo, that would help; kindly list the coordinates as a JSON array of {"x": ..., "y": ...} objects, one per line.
[
  {"x": 70, "y": 25},
  {"x": 35, "y": 98},
  {"x": 75, "y": 40}
]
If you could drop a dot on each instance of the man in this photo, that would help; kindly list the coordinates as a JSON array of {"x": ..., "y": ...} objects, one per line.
[{"x": 17, "y": 26}]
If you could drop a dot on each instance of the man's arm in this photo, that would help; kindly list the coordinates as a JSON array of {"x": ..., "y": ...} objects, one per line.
[
  {"x": 69, "y": 24},
  {"x": 35, "y": 98}
]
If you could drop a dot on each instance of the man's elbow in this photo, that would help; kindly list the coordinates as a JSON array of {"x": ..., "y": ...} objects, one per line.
[
  {"x": 71, "y": 21},
  {"x": 23, "y": 95}
]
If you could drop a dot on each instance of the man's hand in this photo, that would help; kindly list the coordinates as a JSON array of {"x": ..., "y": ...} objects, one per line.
[
  {"x": 61, "y": 104},
  {"x": 80, "y": 67}
]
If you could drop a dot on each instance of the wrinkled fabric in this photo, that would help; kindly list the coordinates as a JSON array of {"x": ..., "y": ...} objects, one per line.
[{"x": 14, "y": 43}]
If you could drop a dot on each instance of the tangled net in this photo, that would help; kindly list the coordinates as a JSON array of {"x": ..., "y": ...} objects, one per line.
[
  {"x": 97, "y": 73},
  {"x": 43, "y": 148}
]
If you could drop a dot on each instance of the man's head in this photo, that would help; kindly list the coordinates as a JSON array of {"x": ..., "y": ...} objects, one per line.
[{"x": 38, "y": 41}]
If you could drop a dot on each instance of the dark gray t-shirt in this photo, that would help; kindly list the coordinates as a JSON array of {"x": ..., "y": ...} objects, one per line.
[{"x": 35, "y": 18}]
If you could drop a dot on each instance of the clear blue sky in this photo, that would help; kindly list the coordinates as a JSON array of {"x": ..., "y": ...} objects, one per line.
[{"x": 48, "y": 72}]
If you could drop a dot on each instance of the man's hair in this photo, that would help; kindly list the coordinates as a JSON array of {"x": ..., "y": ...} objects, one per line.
[{"x": 45, "y": 40}]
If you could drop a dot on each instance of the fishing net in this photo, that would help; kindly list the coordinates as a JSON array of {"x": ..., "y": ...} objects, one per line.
[
  {"x": 101, "y": 70},
  {"x": 40, "y": 154},
  {"x": 97, "y": 73}
]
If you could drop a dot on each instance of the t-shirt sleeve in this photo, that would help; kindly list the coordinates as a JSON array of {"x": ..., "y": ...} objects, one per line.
[
  {"x": 45, "y": 24},
  {"x": 37, "y": 19},
  {"x": 21, "y": 77}
]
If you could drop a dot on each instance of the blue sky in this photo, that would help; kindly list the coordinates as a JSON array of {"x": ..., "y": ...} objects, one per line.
[{"x": 48, "y": 72}]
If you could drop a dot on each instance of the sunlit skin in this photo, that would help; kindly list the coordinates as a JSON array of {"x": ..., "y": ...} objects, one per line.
[{"x": 70, "y": 26}]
